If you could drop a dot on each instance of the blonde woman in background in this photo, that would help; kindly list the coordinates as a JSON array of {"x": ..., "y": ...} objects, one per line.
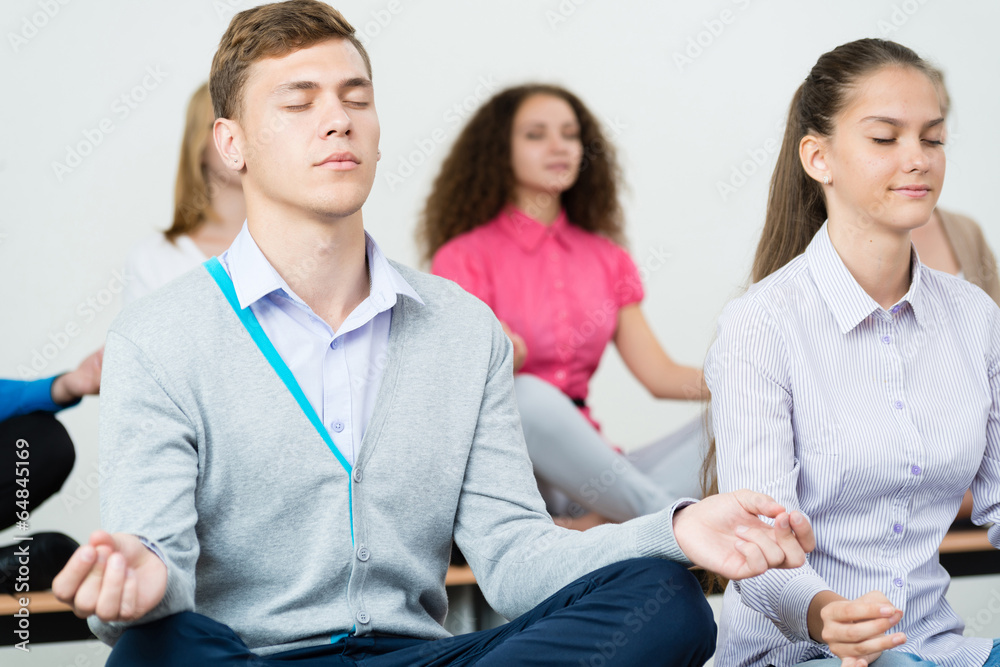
[
  {"x": 954, "y": 243},
  {"x": 209, "y": 209}
]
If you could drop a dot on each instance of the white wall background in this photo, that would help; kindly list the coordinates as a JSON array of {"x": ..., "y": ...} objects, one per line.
[{"x": 680, "y": 130}]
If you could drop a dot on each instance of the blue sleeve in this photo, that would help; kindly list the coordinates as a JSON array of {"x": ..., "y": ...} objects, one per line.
[{"x": 19, "y": 397}]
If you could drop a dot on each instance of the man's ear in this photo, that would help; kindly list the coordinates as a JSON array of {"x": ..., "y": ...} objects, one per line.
[{"x": 228, "y": 136}]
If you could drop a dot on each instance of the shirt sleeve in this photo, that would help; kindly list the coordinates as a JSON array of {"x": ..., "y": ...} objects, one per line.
[
  {"x": 139, "y": 281},
  {"x": 518, "y": 555},
  {"x": 991, "y": 281},
  {"x": 747, "y": 372},
  {"x": 20, "y": 397},
  {"x": 148, "y": 448},
  {"x": 628, "y": 284},
  {"x": 457, "y": 260},
  {"x": 986, "y": 484}
]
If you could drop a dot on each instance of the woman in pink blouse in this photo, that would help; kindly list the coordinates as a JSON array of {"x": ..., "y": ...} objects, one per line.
[{"x": 525, "y": 216}]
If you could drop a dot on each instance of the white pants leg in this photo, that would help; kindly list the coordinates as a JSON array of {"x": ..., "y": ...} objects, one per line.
[{"x": 571, "y": 456}]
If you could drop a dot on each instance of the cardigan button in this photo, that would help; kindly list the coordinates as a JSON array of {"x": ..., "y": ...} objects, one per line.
[
  {"x": 356, "y": 475},
  {"x": 363, "y": 617},
  {"x": 364, "y": 554}
]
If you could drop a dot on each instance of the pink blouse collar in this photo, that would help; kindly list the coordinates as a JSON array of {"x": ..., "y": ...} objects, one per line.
[{"x": 528, "y": 232}]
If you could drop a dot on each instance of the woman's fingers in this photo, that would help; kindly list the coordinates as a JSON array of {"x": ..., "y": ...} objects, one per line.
[
  {"x": 873, "y": 645},
  {"x": 854, "y": 611}
]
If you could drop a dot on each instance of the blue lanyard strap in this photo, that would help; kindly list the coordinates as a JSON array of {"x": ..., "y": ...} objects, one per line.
[{"x": 256, "y": 332}]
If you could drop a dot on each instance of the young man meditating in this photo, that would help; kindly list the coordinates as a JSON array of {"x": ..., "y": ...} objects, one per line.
[{"x": 295, "y": 433}]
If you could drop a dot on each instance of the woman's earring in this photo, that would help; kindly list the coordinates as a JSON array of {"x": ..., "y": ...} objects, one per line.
[
  {"x": 379, "y": 155},
  {"x": 826, "y": 180}
]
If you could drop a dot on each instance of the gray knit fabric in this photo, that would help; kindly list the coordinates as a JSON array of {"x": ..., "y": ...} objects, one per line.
[{"x": 210, "y": 458}]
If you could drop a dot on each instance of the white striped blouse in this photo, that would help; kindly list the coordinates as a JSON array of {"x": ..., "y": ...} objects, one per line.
[{"x": 871, "y": 422}]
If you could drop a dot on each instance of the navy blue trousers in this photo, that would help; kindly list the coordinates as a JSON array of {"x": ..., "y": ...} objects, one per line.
[{"x": 643, "y": 612}]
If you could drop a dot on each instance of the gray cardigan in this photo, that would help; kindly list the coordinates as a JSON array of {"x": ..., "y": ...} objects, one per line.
[{"x": 207, "y": 455}]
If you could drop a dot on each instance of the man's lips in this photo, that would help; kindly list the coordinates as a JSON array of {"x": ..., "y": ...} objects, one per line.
[{"x": 339, "y": 161}]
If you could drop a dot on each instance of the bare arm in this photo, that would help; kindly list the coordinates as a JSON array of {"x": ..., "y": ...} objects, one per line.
[{"x": 649, "y": 362}]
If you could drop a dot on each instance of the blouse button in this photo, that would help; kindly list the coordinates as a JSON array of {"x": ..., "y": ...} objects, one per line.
[
  {"x": 897, "y": 582},
  {"x": 898, "y": 528},
  {"x": 560, "y": 375}
]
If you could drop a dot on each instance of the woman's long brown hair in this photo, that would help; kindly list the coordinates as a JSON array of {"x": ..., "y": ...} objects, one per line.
[{"x": 476, "y": 179}]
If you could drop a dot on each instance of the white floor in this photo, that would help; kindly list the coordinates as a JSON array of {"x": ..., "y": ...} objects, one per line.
[{"x": 977, "y": 600}]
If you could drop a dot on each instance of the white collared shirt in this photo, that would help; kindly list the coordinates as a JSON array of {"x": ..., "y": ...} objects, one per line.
[
  {"x": 339, "y": 371},
  {"x": 873, "y": 422}
]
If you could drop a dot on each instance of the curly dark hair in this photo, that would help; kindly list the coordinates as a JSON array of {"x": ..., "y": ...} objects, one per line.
[{"x": 477, "y": 180}]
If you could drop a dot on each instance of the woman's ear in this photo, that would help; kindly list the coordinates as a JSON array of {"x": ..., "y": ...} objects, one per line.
[{"x": 812, "y": 153}]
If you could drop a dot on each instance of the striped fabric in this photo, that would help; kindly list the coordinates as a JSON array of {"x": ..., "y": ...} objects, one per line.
[{"x": 873, "y": 423}]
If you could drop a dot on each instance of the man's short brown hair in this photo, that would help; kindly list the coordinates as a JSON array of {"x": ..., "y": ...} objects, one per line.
[{"x": 271, "y": 31}]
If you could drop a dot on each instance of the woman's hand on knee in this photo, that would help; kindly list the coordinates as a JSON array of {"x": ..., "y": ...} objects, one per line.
[
  {"x": 520, "y": 349},
  {"x": 855, "y": 629},
  {"x": 113, "y": 576}
]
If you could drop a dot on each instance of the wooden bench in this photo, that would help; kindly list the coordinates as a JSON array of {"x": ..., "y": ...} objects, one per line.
[
  {"x": 49, "y": 620},
  {"x": 963, "y": 552},
  {"x": 968, "y": 552}
]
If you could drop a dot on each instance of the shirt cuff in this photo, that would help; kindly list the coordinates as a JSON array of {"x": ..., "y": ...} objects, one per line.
[
  {"x": 38, "y": 396},
  {"x": 793, "y": 605},
  {"x": 656, "y": 534},
  {"x": 152, "y": 546}
]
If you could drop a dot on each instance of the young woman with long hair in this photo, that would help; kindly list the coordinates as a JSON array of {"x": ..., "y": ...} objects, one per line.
[
  {"x": 209, "y": 209},
  {"x": 525, "y": 215},
  {"x": 855, "y": 384}
]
